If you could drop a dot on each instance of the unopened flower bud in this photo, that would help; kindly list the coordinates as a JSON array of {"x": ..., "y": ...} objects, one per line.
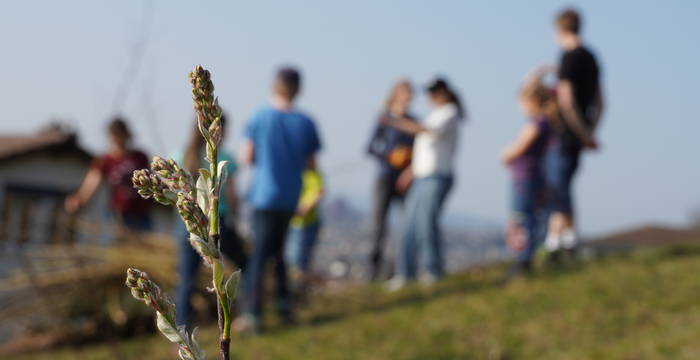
[
  {"x": 143, "y": 289},
  {"x": 193, "y": 217}
]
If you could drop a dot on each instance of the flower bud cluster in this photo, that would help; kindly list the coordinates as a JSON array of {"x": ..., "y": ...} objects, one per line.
[{"x": 143, "y": 289}]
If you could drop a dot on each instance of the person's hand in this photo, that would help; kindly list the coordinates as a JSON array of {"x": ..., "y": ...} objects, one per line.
[
  {"x": 506, "y": 157},
  {"x": 72, "y": 203},
  {"x": 302, "y": 210},
  {"x": 590, "y": 143},
  {"x": 404, "y": 181}
]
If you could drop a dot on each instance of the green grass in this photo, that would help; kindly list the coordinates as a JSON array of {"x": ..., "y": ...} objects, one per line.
[{"x": 642, "y": 306}]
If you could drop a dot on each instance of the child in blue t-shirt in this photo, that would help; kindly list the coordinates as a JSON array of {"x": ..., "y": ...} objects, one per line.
[{"x": 280, "y": 143}]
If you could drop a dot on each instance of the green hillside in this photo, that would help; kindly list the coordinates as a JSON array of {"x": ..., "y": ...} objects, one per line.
[{"x": 645, "y": 305}]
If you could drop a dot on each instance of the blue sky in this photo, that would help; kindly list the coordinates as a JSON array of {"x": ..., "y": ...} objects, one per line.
[{"x": 65, "y": 60}]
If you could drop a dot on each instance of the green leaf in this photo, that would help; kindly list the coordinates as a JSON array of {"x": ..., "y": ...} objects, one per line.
[
  {"x": 218, "y": 275},
  {"x": 231, "y": 285},
  {"x": 203, "y": 187},
  {"x": 168, "y": 330}
]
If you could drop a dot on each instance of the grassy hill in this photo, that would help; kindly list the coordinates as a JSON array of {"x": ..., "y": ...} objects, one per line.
[{"x": 644, "y": 305}]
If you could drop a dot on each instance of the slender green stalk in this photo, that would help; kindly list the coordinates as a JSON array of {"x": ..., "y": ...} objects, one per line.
[{"x": 198, "y": 206}]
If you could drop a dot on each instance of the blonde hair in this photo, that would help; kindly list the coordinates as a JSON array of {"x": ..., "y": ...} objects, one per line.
[
  {"x": 544, "y": 98},
  {"x": 402, "y": 84}
]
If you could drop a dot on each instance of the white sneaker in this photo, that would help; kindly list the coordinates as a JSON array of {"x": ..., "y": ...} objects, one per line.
[
  {"x": 395, "y": 284},
  {"x": 552, "y": 242},
  {"x": 569, "y": 240}
]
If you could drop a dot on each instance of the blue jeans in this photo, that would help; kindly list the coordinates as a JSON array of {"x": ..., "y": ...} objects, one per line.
[
  {"x": 269, "y": 231},
  {"x": 188, "y": 267},
  {"x": 561, "y": 165},
  {"x": 529, "y": 214},
  {"x": 422, "y": 229},
  {"x": 300, "y": 245}
]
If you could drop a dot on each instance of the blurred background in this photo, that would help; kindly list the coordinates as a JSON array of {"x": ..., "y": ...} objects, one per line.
[{"x": 70, "y": 66}]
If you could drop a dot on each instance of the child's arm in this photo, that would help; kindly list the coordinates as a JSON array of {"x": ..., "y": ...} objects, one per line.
[
  {"x": 526, "y": 137},
  {"x": 248, "y": 153},
  {"x": 404, "y": 181},
  {"x": 230, "y": 194},
  {"x": 304, "y": 208},
  {"x": 87, "y": 189},
  {"x": 407, "y": 126}
]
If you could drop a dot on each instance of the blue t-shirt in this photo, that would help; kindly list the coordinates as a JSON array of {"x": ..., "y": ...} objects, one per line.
[{"x": 283, "y": 142}]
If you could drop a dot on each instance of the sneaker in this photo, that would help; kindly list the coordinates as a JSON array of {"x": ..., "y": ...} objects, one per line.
[
  {"x": 569, "y": 239},
  {"x": 395, "y": 284},
  {"x": 428, "y": 279},
  {"x": 552, "y": 242}
]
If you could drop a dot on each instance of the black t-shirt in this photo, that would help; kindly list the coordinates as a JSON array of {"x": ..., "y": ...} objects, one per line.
[{"x": 580, "y": 68}]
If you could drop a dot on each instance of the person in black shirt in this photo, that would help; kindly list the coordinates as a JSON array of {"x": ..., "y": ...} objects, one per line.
[
  {"x": 580, "y": 103},
  {"x": 392, "y": 148}
]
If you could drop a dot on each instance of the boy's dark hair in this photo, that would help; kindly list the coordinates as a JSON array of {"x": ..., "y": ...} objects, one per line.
[
  {"x": 569, "y": 20},
  {"x": 288, "y": 82},
  {"x": 118, "y": 127}
]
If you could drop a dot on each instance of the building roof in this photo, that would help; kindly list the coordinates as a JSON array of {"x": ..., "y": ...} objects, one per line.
[{"x": 54, "y": 139}]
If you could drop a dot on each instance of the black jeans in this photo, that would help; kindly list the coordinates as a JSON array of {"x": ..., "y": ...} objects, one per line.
[
  {"x": 269, "y": 232},
  {"x": 188, "y": 267},
  {"x": 384, "y": 193}
]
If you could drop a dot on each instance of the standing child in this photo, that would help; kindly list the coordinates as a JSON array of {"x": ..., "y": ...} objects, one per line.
[
  {"x": 281, "y": 142},
  {"x": 580, "y": 100},
  {"x": 392, "y": 148},
  {"x": 432, "y": 170},
  {"x": 129, "y": 210},
  {"x": 304, "y": 228},
  {"x": 525, "y": 157}
]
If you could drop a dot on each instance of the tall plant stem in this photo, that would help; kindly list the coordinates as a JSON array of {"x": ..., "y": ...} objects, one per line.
[{"x": 222, "y": 301}]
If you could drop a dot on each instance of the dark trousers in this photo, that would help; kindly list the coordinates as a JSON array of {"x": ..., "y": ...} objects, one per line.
[
  {"x": 188, "y": 267},
  {"x": 269, "y": 231},
  {"x": 384, "y": 194},
  {"x": 561, "y": 165}
]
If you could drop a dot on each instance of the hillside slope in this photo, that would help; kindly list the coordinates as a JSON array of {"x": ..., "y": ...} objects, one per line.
[{"x": 645, "y": 305}]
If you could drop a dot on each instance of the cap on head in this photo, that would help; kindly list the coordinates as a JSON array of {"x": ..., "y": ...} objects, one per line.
[
  {"x": 569, "y": 20},
  {"x": 288, "y": 82}
]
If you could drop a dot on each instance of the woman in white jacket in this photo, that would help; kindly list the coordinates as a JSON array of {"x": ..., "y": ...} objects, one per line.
[{"x": 431, "y": 179}]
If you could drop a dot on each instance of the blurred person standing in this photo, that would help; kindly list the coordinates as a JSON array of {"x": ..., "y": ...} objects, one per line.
[
  {"x": 432, "y": 170},
  {"x": 525, "y": 157},
  {"x": 392, "y": 148},
  {"x": 191, "y": 159},
  {"x": 304, "y": 229},
  {"x": 115, "y": 168},
  {"x": 281, "y": 142},
  {"x": 580, "y": 102}
]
